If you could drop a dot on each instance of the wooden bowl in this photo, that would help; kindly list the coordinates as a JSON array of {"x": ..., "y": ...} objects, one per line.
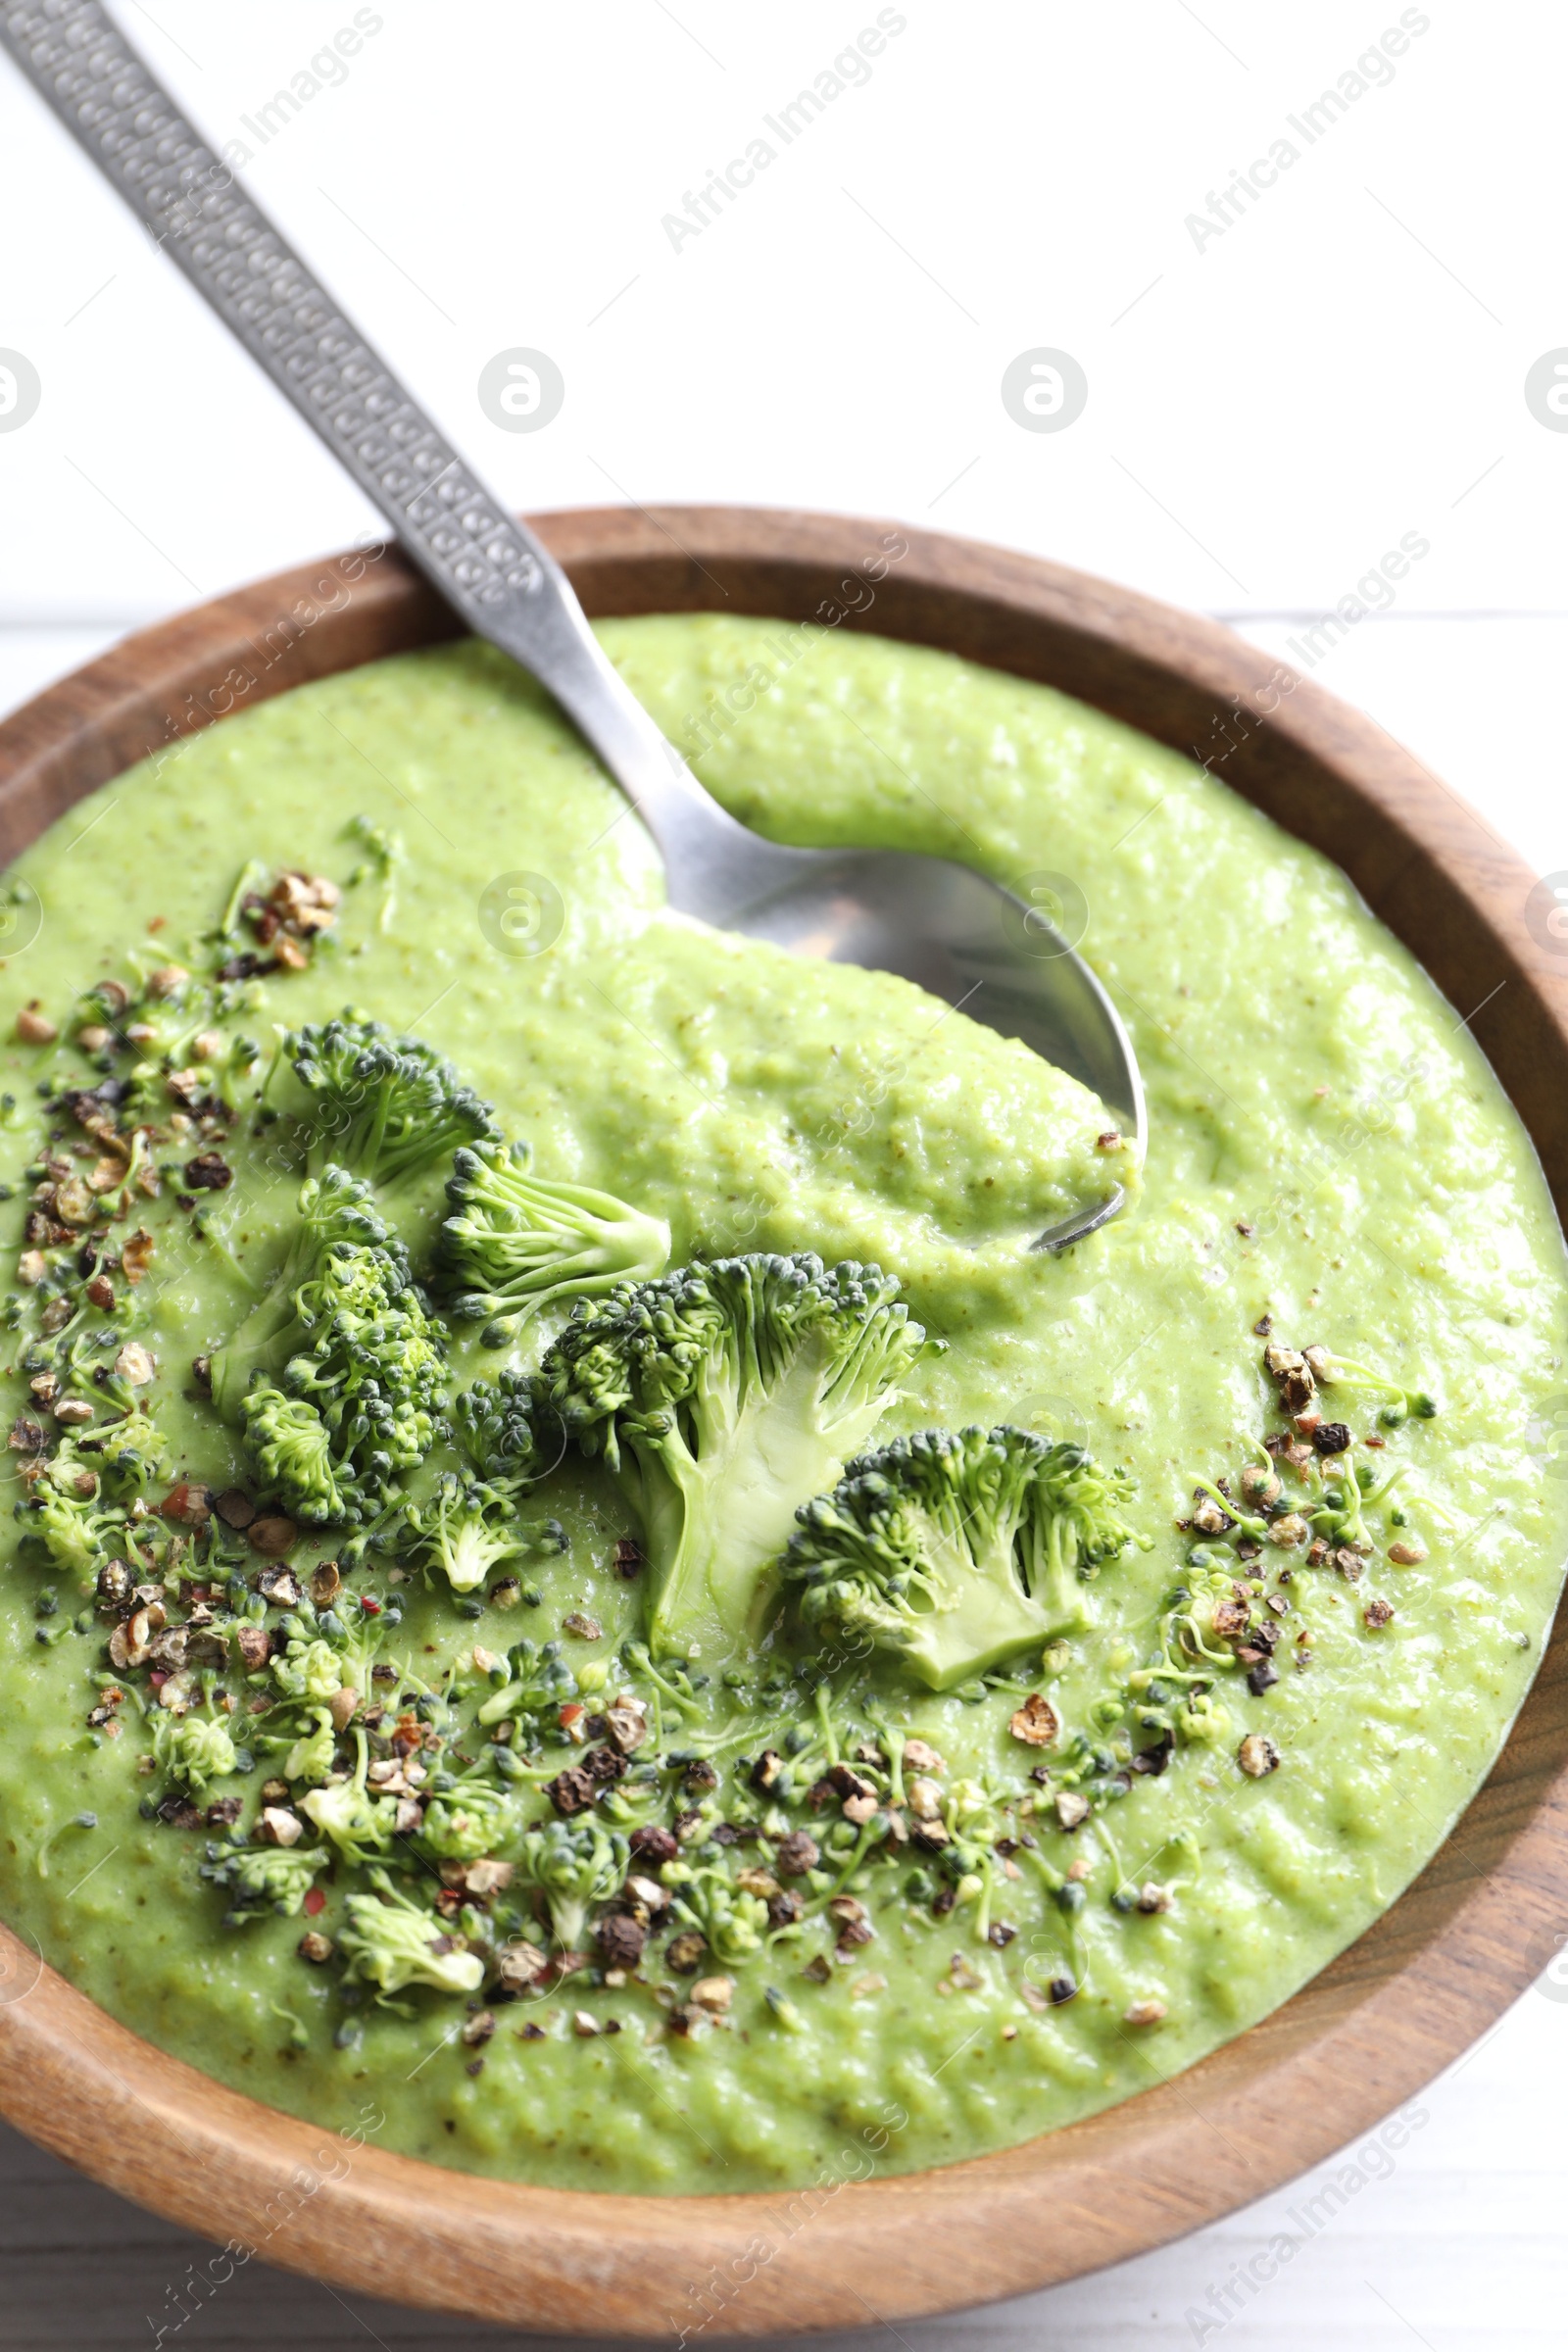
[{"x": 1363, "y": 2035}]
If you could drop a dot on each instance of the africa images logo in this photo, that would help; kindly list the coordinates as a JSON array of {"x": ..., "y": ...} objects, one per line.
[
  {"x": 1547, "y": 913},
  {"x": 19, "y": 390},
  {"x": 1546, "y": 391}
]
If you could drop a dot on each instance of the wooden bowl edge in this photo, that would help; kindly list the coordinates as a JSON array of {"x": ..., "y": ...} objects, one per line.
[{"x": 1142, "y": 2172}]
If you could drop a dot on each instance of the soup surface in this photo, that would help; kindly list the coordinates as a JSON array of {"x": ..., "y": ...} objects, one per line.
[{"x": 918, "y": 1922}]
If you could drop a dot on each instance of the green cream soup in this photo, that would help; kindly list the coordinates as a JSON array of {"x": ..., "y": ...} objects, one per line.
[{"x": 907, "y": 1922}]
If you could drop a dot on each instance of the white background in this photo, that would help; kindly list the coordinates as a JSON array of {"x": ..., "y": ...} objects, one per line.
[{"x": 1267, "y": 413}]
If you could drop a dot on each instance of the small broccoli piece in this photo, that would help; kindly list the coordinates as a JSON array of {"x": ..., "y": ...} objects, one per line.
[
  {"x": 323, "y": 1655},
  {"x": 468, "y": 1822},
  {"x": 731, "y": 1923},
  {"x": 265, "y": 1878},
  {"x": 1201, "y": 1718},
  {"x": 229, "y": 1072},
  {"x": 466, "y": 1529},
  {"x": 357, "y": 1825},
  {"x": 385, "y": 852},
  {"x": 132, "y": 1450},
  {"x": 784, "y": 2009},
  {"x": 193, "y": 1749},
  {"x": 76, "y": 1536},
  {"x": 385, "y": 1107},
  {"x": 953, "y": 1552},
  {"x": 291, "y": 1447},
  {"x": 1340, "y": 1515},
  {"x": 64, "y": 1512},
  {"x": 391, "y": 1943},
  {"x": 514, "y": 1246},
  {"x": 724, "y": 1395},
  {"x": 310, "y": 1757},
  {"x": 573, "y": 1865},
  {"x": 308, "y": 1669},
  {"x": 338, "y": 1376},
  {"x": 538, "y": 1682},
  {"x": 1403, "y": 1405}
]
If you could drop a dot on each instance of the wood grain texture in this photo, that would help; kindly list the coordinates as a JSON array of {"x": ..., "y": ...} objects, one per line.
[{"x": 1378, "y": 2023}]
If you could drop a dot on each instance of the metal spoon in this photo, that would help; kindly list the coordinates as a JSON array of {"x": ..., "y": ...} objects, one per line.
[{"x": 957, "y": 933}]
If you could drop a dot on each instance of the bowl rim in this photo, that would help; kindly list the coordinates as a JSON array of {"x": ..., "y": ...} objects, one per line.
[{"x": 1354, "y": 2044}]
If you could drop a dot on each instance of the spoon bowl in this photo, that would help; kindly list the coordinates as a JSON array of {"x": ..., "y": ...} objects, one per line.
[{"x": 966, "y": 940}]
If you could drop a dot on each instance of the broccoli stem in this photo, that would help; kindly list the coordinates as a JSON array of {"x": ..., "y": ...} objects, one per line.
[
  {"x": 1349, "y": 1519},
  {"x": 517, "y": 1245},
  {"x": 252, "y": 874},
  {"x": 719, "y": 1521},
  {"x": 1412, "y": 1404},
  {"x": 873, "y": 1834},
  {"x": 724, "y": 1396},
  {"x": 269, "y": 1331},
  {"x": 892, "y": 1737},
  {"x": 1256, "y": 1528},
  {"x": 685, "y": 1702},
  {"x": 982, "y": 1917}
]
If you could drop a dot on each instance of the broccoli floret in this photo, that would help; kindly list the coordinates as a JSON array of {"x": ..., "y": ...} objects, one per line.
[
  {"x": 193, "y": 1749},
  {"x": 390, "y": 1943},
  {"x": 953, "y": 1552},
  {"x": 76, "y": 1536},
  {"x": 376, "y": 1375},
  {"x": 311, "y": 1758},
  {"x": 732, "y": 1924},
  {"x": 384, "y": 1107},
  {"x": 537, "y": 1681},
  {"x": 322, "y": 1655},
  {"x": 226, "y": 1073},
  {"x": 291, "y": 1447},
  {"x": 357, "y": 1825},
  {"x": 338, "y": 1377},
  {"x": 468, "y": 1822},
  {"x": 336, "y": 1225},
  {"x": 65, "y": 1512},
  {"x": 133, "y": 1451},
  {"x": 307, "y": 1668},
  {"x": 466, "y": 1529},
  {"x": 265, "y": 1878},
  {"x": 573, "y": 1866},
  {"x": 514, "y": 1246},
  {"x": 1201, "y": 1718},
  {"x": 724, "y": 1395},
  {"x": 509, "y": 1433}
]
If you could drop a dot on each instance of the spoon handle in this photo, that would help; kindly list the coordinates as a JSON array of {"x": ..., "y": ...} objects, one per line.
[{"x": 489, "y": 566}]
